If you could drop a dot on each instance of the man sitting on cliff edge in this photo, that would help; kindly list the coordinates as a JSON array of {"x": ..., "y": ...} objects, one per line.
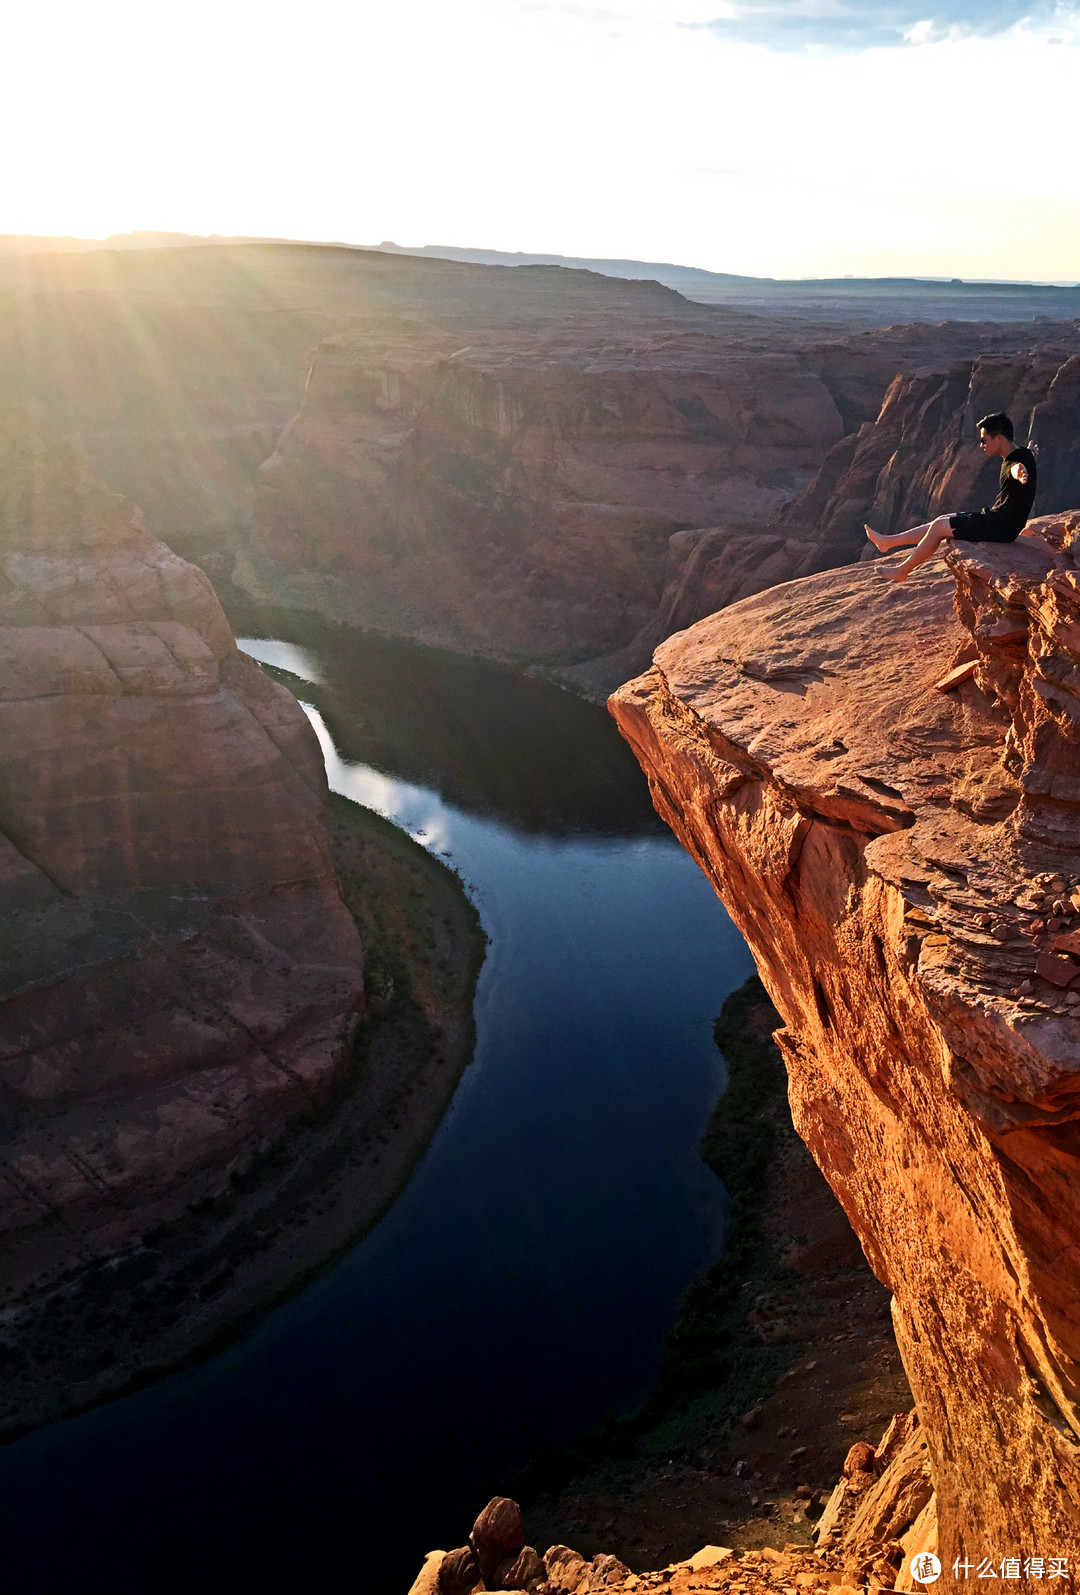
[{"x": 1001, "y": 523}]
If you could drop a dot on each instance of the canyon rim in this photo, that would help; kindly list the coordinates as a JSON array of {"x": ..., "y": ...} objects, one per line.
[{"x": 902, "y": 860}]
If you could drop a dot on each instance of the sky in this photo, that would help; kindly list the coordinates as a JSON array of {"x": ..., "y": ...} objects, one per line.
[{"x": 770, "y": 137}]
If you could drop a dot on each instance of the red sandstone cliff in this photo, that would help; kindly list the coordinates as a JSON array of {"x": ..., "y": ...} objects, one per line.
[
  {"x": 577, "y": 489},
  {"x": 917, "y": 458},
  {"x": 175, "y": 369},
  {"x": 516, "y": 493},
  {"x": 904, "y": 863},
  {"x": 179, "y": 971}
]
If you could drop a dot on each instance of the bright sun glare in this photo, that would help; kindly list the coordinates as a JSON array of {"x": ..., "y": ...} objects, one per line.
[{"x": 625, "y": 129}]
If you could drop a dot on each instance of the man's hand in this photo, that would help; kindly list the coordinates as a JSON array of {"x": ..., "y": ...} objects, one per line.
[{"x": 1019, "y": 470}]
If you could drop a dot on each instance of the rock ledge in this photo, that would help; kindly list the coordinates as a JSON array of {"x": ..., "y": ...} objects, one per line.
[{"x": 904, "y": 863}]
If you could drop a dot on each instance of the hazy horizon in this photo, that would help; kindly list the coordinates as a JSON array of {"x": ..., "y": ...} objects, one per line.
[
  {"x": 767, "y": 138},
  {"x": 526, "y": 256}
]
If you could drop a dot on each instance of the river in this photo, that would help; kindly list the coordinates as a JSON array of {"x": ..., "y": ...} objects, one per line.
[{"x": 521, "y": 1287}]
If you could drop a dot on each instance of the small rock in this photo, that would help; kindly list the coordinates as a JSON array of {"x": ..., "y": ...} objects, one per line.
[
  {"x": 860, "y": 1459},
  {"x": 459, "y": 1573},
  {"x": 1057, "y": 970},
  {"x": 523, "y": 1571},
  {"x": 749, "y": 1420}
]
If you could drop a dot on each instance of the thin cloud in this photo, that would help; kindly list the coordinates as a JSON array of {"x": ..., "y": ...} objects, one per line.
[{"x": 847, "y": 25}]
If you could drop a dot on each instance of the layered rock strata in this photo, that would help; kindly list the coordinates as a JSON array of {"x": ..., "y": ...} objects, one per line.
[
  {"x": 175, "y": 369},
  {"x": 515, "y": 494},
  {"x": 572, "y": 492},
  {"x": 902, "y": 861},
  {"x": 179, "y": 971},
  {"x": 918, "y": 457}
]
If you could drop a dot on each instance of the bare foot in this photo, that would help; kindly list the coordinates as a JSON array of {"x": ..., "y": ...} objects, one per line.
[
  {"x": 877, "y": 538},
  {"x": 897, "y": 574}
]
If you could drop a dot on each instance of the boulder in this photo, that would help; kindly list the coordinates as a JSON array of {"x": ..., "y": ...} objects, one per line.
[
  {"x": 497, "y": 1534},
  {"x": 526, "y": 1570},
  {"x": 459, "y": 1572},
  {"x": 565, "y": 1568}
]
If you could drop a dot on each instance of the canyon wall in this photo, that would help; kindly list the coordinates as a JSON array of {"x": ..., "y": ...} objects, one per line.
[
  {"x": 175, "y": 369},
  {"x": 570, "y": 494},
  {"x": 903, "y": 861},
  {"x": 919, "y": 457},
  {"x": 180, "y": 974},
  {"x": 517, "y": 496},
  {"x": 639, "y": 476}
]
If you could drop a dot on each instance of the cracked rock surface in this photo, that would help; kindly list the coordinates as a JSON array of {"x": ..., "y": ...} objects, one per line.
[{"x": 903, "y": 862}]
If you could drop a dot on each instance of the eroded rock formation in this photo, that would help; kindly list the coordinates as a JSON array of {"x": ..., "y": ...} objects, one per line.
[
  {"x": 571, "y": 492},
  {"x": 515, "y": 494},
  {"x": 179, "y": 971},
  {"x": 903, "y": 862},
  {"x": 175, "y": 369},
  {"x": 917, "y": 458}
]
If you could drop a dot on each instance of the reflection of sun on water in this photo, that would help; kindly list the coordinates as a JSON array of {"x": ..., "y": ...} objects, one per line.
[
  {"x": 283, "y": 656},
  {"x": 413, "y": 808}
]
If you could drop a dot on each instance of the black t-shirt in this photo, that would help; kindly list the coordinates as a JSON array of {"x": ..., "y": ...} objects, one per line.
[{"x": 1013, "y": 504}]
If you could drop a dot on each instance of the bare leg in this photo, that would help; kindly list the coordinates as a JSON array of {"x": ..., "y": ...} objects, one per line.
[
  {"x": 885, "y": 544},
  {"x": 938, "y": 532}
]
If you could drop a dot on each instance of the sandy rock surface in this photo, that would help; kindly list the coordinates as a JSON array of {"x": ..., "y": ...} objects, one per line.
[{"x": 900, "y": 860}]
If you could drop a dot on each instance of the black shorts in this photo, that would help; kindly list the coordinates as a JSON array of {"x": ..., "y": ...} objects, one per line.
[{"x": 984, "y": 527}]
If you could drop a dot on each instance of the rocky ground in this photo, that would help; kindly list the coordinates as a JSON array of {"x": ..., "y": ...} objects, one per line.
[{"x": 871, "y": 1535}]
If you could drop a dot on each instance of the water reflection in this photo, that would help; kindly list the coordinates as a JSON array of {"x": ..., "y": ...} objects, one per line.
[
  {"x": 522, "y": 1285},
  {"x": 485, "y": 737}
]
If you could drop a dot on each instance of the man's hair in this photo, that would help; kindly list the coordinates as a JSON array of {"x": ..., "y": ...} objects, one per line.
[{"x": 997, "y": 425}]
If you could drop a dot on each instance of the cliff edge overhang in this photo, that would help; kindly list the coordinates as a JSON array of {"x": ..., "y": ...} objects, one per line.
[{"x": 883, "y": 784}]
